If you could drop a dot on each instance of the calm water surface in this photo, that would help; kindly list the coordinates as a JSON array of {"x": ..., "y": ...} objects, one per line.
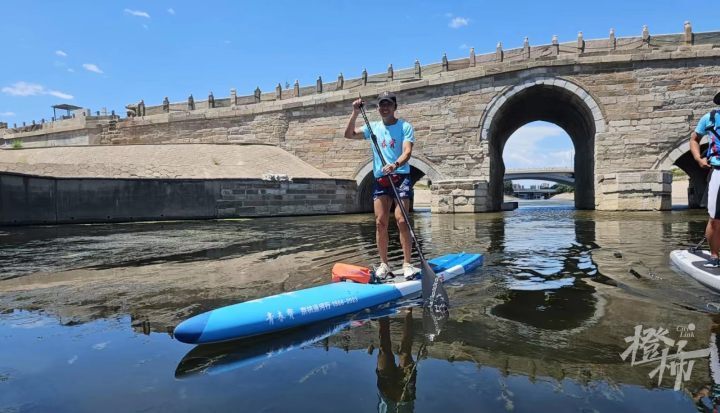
[{"x": 540, "y": 327}]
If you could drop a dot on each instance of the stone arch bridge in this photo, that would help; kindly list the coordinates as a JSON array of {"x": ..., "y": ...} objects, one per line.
[{"x": 628, "y": 105}]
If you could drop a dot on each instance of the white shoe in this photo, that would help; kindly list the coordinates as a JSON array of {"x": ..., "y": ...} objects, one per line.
[
  {"x": 383, "y": 271},
  {"x": 410, "y": 271}
]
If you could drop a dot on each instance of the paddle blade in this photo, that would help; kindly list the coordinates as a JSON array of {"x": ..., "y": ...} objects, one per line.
[
  {"x": 433, "y": 323},
  {"x": 434, "y": 295}
]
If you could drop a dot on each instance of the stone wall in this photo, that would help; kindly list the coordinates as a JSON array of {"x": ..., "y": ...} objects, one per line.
[
  {"x": 627, "y": 104},
  {"x": 28, "y": 199}
]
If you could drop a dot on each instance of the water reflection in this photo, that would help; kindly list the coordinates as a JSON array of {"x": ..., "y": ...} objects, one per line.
[{"x": 540, "y": 326}]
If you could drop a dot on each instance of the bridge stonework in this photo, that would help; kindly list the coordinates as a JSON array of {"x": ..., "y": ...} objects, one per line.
[{"x": 628, "y": 105}]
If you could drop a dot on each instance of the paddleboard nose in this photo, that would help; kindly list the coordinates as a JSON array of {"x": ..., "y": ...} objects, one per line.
[{"x": 190, "y": 330}]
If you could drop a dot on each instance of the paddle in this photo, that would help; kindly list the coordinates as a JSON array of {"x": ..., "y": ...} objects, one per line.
[{"x": 434, "y": 295}]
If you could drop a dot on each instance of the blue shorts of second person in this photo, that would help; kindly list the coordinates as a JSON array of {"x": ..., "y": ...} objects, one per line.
[{"x": 403, "y": 185}]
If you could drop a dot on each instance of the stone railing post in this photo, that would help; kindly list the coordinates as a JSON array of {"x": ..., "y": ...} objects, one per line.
[
  {"x": 296, "y": 88},
  {"x": 233, "y": 97},
  {"x": 613, "y": 41},
  {"x": 211, "y": 100},
  {"x": 580, "y": 43},
  {"x": 256, "y": 94},
  {"x": 499, "y": 52},
  {"x": 278, "y": 91},
  {"x": 445, "y": 64},
  {"x": 390, "y": 72},
  {"x": 526, "y": 48},
  {"x": 555, "y": 45},
  {"x": 340, "y": 82},
  {"x": 688, "y": 33},
  {"x": 646, "y": 36},
  {"x": 364, "y": 77},
  {"x": 191, "y": 103},
  {"x": 166, "y": 105},
  {"x": 473, "y": 60},
  {"x": 318, "y": 85}
]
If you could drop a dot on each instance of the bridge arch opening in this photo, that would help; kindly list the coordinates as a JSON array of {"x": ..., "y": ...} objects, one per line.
[
  {"x": 539, "y": 162},
  {"x": 364, "y": 178},
  {"x": 695, "y": 190},
  {"x": 551, "y": 100}
]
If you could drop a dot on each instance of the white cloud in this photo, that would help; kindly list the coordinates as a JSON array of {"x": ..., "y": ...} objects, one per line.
[
  {"x": 60, "y": 95},
  {"x": 32, "y": 89},
  {"x": 138, "y": 13},
  {"x": 527, "y": 148},
  {"x": 60, "y": 53},
  {"x": 171, "y": 11},
  {"x": 464, "y": 46},
  {"x": 23, "y": 89},
  {"x": 7, "y": 114},
  {"x": 459, "y": 22},
  {"x": 91, "y": 67}
]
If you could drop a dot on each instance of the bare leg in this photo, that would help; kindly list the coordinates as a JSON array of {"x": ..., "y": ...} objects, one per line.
[
  {"x": 713, "y": 235},
  {"x": 405, "y": 239},
  {"x": 382, "y": 218}
]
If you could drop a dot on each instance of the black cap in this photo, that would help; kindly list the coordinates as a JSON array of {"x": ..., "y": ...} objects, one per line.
[
  {"x": 387, "y": 96},
  {"x": 716, "y": 99}
]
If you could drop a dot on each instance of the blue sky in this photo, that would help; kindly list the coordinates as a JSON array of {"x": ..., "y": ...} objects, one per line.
[{"x": 105, "y": 54}]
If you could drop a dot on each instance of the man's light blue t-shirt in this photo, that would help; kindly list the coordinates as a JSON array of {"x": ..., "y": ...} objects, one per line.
[
  {"x": 390, "y": 139},
  {"x": 714, "y": 145}
]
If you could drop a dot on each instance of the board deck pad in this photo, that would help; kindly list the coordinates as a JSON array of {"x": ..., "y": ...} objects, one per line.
[
  {"x": 700, "y": 265},
  {"x": 692, "y": 263}
]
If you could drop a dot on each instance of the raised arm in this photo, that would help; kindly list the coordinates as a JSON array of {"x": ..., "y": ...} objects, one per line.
[{"x": 351, "y": 132}]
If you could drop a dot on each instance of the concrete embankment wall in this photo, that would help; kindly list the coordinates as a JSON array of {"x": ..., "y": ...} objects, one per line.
[{"x": 27, "y": 199}]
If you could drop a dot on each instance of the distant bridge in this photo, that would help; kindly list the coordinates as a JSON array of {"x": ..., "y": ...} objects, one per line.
[{"x": 560, "y": 175}]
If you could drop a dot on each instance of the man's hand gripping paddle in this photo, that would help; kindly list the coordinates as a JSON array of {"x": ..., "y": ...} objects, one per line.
[{"x": 435, "y": 297}]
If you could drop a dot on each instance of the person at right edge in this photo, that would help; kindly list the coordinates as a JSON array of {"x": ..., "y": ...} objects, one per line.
[
  {"x": 708, "y": 126},
  {"x": 395, "y": 138}
]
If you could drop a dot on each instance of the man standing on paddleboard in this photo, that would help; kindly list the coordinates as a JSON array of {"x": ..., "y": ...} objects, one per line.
[
  {"x": 708, "y": 125},
  {"x": 395, "y": 138}
]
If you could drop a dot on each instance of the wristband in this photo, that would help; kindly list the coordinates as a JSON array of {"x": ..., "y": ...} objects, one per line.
[{"x": 397, "y": 164}]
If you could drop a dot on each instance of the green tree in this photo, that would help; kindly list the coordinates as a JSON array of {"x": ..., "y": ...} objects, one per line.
[{"x": 507, "y": 188}]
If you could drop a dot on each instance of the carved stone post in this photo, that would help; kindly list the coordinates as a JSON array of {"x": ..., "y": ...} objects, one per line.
[
  {"x": 526, "y": 48},
  {"x": 499, "y": 52},
  {"x": 646, "y": 36},
  {"x": 211, "y": 101},
  {"x": 296, "y": 88},
  {"x": 555, "y": 45},
  {"x": 445, "y": 64},
  {"x": 580, "y": 43},
  {"x": 613, "y": 41},
  {"x": 472, "y": 57},
  {"x": 257, "y": 94},
  {"x": 364, "y": 77},
  {"x": 418, "y": 69},
  {"x": 233, "y": 97},
  {"x": 278, "y": 91},
  {"x": 340, "y": 82},
  {"x": 166, "y": 105},
  {"x": 688, "y": 33},
  {"x": 318, "y": 85},
  {"x": 191, "y": 103},
  {"x": 390, "y": 72}
]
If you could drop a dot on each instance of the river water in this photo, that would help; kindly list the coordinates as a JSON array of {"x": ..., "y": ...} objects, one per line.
[{"x": 542, "y": 326}]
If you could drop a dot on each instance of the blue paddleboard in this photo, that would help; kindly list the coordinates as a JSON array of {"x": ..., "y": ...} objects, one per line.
[{"x": 297, "y": 308}]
